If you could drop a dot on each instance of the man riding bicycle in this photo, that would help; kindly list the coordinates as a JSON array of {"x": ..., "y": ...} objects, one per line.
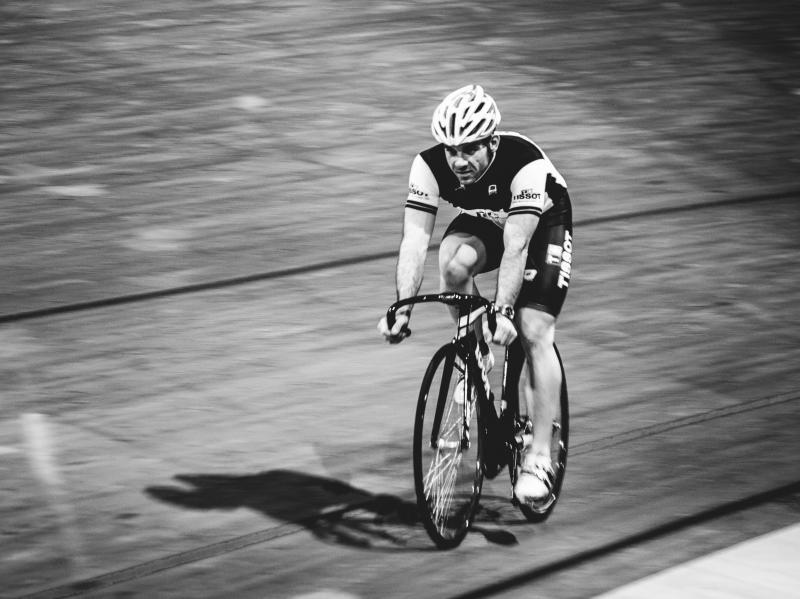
[{"x": 515, "y": 216}]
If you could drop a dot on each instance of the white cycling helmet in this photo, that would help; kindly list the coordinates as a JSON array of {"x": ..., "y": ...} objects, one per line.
[{"x": 466, "y": 115}]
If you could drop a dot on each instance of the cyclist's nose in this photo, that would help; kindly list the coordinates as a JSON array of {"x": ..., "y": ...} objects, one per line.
[{"x": 459, "y": 161}]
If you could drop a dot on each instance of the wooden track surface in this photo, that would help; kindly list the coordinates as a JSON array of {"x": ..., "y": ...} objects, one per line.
[{"x": 254, "y": 440}]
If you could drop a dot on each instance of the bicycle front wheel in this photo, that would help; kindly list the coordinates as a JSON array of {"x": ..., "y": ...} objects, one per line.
[{"x": 447, "y": 448}]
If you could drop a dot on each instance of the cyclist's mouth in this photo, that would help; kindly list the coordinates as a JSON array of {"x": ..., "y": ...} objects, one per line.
[{"x": 462, "y": 175}]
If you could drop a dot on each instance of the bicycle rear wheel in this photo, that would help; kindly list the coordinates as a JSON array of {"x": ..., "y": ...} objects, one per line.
[
  {"x": 559, "y": 445},
  {"x": 447, "y": 448}
]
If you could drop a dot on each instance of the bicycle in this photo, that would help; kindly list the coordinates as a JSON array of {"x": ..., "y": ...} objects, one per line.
[{"x": 460, "y": 437}]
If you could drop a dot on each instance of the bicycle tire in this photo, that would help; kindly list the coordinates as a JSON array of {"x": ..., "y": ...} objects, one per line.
[
  {"x": 448, "y": 476},
  {"x": 559, "y": 449}
]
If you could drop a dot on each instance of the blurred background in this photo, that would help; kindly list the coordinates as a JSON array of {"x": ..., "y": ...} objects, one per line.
[
  {"x": 199, "y": 205},
  {"x": 179, "y": 142}
]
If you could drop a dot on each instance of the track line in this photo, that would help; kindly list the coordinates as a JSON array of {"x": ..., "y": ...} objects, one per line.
[
  {"x": 649, "y": 534},
  {"x": 183, "y": 558},
  {"x": 360, "y": 259},
  {"x": 91, "y": 585},
  {"x": 194, "y": 288},
  {"x": 655, "y": 429}
]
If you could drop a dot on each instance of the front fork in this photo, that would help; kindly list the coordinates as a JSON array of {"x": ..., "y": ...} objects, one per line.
[{"x": 474, "y": 352}]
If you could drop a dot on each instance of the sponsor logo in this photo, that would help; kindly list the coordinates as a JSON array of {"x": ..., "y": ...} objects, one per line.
[
  {"x": 566, "y": 261},
  {"x": 492, "y": 215},
  {"x": 553, "y": 255},
  {"x": 492, "y": 190},
  {"x": 527, "y": 194},
  {"x": 529, "y": 274},
  {"x": 414, "y": 190}
]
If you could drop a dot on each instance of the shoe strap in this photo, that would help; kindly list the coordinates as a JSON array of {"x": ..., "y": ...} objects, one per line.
[
  {"x": 537, "y": 470},
  {"x": 544, "y": 475}
]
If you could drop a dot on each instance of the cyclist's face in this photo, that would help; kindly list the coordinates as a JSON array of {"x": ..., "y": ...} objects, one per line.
[{"x": 469, "y": 161}]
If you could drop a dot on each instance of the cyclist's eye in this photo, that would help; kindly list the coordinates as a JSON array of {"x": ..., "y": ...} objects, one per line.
[{"x": 467, "y": 150}]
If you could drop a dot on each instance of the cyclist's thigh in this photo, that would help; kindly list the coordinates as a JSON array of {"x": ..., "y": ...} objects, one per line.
[
  {"x": 484, "y": 237},
  {"x": 548, "y": 270}
]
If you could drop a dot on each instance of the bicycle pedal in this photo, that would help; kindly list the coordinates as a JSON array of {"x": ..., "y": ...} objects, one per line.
[
  {"x": 523, "y": 425},
  {"x": 522, "y": 440}
]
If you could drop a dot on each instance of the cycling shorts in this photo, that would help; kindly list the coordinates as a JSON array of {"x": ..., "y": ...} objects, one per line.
[{"x": 548, "y": 268}]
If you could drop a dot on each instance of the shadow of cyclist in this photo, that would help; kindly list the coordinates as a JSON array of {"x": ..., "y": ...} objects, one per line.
[{"x": 332, "y": 510}]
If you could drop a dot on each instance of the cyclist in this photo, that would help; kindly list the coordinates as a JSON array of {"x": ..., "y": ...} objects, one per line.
[{"x": 515, "y": 216}]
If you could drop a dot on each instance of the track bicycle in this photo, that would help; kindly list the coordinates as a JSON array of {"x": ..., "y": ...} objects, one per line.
[{"x": 463, "y": 434}]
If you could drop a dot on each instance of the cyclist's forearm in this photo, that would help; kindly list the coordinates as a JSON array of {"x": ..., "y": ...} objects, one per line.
[
  {"x": 516, "y": 237},
  {"x": 417, "y": 230},
  {"x": 509, "y": 276},
  {"x": 411, "y": 265}
]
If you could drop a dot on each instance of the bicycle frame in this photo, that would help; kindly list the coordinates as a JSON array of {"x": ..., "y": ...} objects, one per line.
[{"x": 478, "y": 305}]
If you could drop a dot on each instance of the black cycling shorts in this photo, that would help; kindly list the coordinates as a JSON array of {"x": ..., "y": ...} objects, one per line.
[{"x": 549, "y": 265}]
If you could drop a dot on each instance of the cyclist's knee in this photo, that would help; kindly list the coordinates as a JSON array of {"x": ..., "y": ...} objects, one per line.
[
  {"x": 459, "y": 269},
  {"x": 455, "y": 275},
  {"x": 536, "y": 329}
]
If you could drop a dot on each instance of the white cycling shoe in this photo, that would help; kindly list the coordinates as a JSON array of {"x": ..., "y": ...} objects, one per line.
[{"x": 535, "y": 480}]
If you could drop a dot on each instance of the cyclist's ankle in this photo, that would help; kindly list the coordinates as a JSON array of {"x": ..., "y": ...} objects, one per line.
[{"x": 536, "y": 455}]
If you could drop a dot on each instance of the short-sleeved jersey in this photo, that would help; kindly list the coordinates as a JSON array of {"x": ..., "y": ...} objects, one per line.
[{"x": 519, "y": 180}]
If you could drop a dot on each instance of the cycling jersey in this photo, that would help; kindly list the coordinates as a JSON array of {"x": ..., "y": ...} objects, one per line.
[{"x": 519, "y": 180}]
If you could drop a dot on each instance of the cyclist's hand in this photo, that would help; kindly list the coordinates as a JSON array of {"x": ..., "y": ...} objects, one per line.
[
  {"x": 398, "y": 332},
  {"x": 505, "y": 332}
]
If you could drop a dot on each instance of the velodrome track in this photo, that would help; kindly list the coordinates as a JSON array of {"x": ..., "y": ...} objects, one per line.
[{"x": 200, "y": 204}]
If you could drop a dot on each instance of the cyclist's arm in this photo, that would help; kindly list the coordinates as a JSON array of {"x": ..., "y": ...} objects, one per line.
[
  {"x": 420, "y": 215},
  {"x": 528, "y": 201},
  {"x": 417, "y": 230},
  {"x": 517, "y": 234}
]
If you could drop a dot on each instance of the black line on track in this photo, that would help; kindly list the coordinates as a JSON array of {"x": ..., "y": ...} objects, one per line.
[
  {"x": 91, "y": 585},
  {"x": 183, "y": 558},
  {"x": 656, "y": 429},
  {"x": 142, "y": 570},
  {"x": 652, "y": 533},
  {"x": 352, "y": 260},
  {"x": 193, "y": 288}
]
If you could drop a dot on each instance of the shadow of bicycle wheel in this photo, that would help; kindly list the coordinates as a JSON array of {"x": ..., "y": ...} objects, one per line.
[{"x": 332, "y": 510}]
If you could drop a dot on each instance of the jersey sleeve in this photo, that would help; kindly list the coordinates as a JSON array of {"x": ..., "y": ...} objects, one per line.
[
  {"x": 529, "y": 188},
  {"x": 423, "y": 190}
]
